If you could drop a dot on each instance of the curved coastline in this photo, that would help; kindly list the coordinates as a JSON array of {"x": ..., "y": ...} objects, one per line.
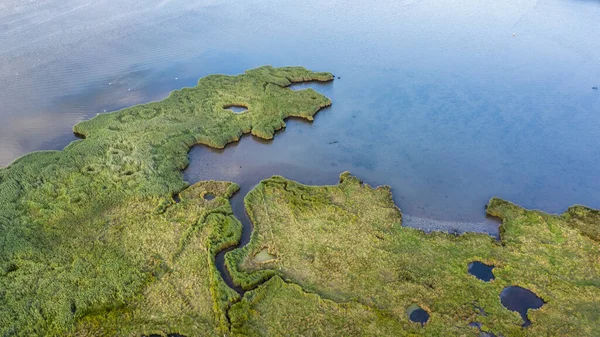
[
  {"x": 129, "y": 161},
  {"x": 106, "y": 238},
  {"x": 345, "y": 244}
]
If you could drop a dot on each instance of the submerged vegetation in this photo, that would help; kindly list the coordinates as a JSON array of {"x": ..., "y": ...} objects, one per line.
[
  {"x": 105, "y": 238},
  {"x": 356, "y": 270},
  {"x": 89, "y": 236}
]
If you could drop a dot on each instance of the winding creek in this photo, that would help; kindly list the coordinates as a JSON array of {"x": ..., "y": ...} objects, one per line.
[
  {"x": 237, "y": 204},
  {"x": 226, "y": 165}
]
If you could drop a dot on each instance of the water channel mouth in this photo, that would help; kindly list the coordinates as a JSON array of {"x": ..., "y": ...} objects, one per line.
[{"x": 248, "y": 178}]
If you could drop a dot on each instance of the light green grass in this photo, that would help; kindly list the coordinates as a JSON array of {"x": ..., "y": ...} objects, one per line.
[
  {"x": 278, "y": 308},
  {"x": 185, "y": 293},
  {"x": 89, "y": 241},
  {"x": 345, "y": 245}
]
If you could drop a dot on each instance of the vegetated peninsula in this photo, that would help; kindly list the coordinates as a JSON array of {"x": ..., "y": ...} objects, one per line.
[
  {"x": 335, "y": 260},
  {"x": 93, "y": 243}
]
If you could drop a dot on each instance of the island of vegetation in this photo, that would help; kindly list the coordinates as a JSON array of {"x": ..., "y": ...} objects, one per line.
[
  {"x": 105, "y": 238},
  {"x": 92, "y": 242}
]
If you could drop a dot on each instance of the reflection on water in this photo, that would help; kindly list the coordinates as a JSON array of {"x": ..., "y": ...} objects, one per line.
[
  {"x": 236, "y": 108},
  {"x": 447, "y": 103}
]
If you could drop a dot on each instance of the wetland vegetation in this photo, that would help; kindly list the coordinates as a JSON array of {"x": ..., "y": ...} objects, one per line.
[
  {"x": 90, "y": 241},
  {"x": 345, "y": 247},
  {"x": 105, "y": 238}
]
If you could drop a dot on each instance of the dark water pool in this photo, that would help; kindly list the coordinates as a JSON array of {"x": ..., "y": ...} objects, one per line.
[
  {"x": 448, "y": 103},
  {"x": 481, "y": 270},
  {"x": 417, "y": 314},
  {"x": 520, "y": 300}
]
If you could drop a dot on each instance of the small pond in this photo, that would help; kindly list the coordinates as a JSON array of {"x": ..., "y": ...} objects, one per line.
[
  {"x": 417, "y": 314},
  {"x": 520, "y": 300},
  {"x": 264, "y": 256},
  {"x": 236, "y": 108},
  {"x": 481, "y": 270}
]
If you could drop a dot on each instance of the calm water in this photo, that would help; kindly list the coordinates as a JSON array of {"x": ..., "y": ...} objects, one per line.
[
  {"x": 448, "y": 102},
  {"x": 417, "y": 314},
  {"x": 481, "y": 270},
  {"x": 520, "y": 300}
]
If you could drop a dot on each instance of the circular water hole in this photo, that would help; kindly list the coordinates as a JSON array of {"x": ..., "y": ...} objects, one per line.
[{"x": 417, "y": 314}]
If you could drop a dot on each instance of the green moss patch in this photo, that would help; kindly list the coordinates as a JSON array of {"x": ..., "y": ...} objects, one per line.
[{"x": 185, "y": 293}]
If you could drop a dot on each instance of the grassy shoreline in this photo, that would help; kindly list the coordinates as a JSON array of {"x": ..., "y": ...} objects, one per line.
[
  {"x": 345, "y": 243},
  {"x": 58, "y": 265}
]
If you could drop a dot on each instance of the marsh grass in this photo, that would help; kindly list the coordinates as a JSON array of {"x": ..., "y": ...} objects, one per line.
[
  {"x": 345, "y": 245},
  {"x": 185, "y": 293},
  {"x": 91, "y": 242}
]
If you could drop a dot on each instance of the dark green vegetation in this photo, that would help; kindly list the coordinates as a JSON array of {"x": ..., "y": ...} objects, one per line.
[
  {"x": 343, "y": 265},
  {"x": 91, "y": 242}
]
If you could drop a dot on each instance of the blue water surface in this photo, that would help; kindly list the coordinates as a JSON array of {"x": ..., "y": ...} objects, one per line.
[{"x": 449, "y": 103}]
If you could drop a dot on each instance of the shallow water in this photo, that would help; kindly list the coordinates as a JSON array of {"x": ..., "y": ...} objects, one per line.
[
  {"x": 264, "y": 256},
  {"x": 448, "y": 103},
  {"x": 236, "y": 108}
]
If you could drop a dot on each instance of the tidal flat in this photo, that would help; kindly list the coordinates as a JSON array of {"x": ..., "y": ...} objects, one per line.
[{"x": 105, "y": 238}]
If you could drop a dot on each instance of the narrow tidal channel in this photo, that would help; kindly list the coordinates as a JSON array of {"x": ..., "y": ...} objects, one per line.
[
  {"x": 239, "y": 211},
  {"x": 214, "y": 164}
]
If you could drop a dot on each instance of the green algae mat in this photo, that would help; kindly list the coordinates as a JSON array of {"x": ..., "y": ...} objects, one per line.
[{"x": 92, "y": 242}]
